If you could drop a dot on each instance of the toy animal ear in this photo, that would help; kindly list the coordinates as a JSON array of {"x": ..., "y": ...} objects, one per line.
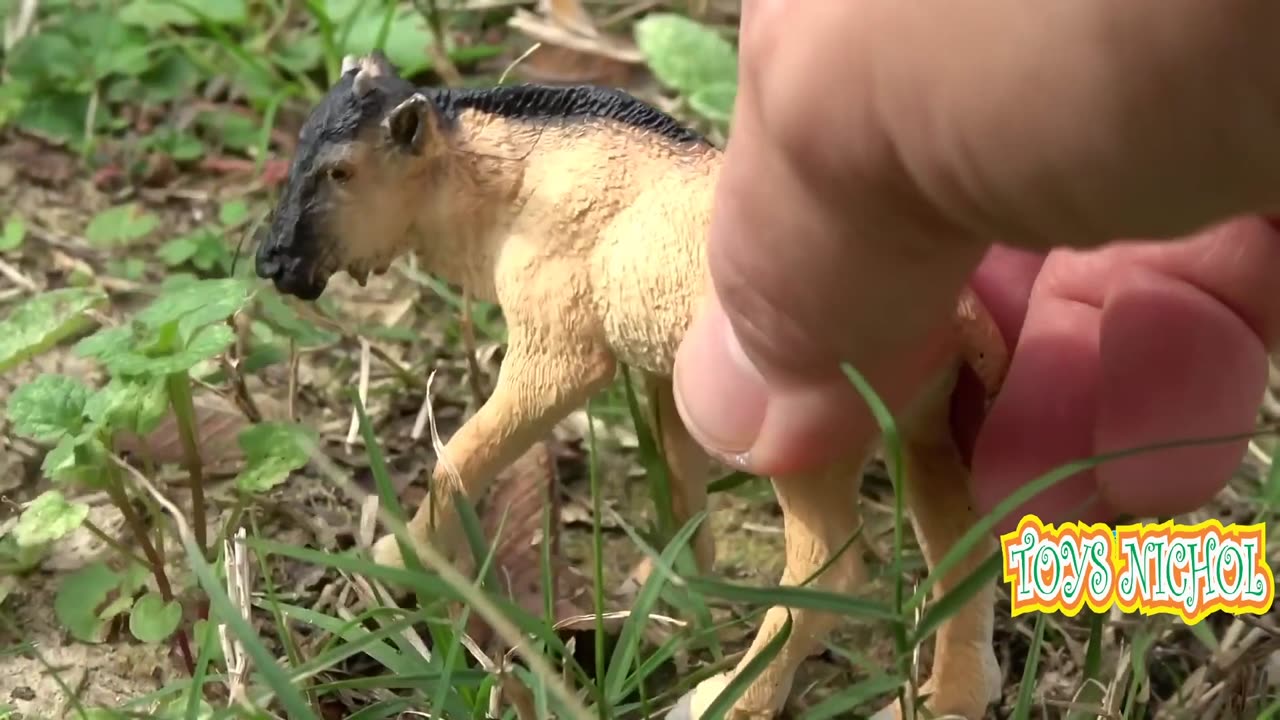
[
  {"x": 349, "y": 63},
  {"x": 408, "y": 124}
]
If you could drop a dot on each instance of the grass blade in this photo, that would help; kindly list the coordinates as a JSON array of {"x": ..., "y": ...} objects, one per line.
[
  {"x": 1026, "y": 692},
  {"x": 743, "y": 679},
  {"x": 794, "y": 597}
]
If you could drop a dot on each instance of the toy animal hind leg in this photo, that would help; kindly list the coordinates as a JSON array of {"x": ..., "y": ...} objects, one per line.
[
  {"x": 965, "y": 677},
  {"x": 689, "y": 470},
  {"x": 820, "y": 516}
]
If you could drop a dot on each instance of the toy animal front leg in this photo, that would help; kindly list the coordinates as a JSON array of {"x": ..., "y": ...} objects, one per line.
[
  {"x": 535, "y": 390},
  {"x": 820, "y": 515},
  {"x": 966, "y": 675}
]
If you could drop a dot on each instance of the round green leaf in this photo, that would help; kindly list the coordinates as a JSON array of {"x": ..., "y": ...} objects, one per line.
[
  {"x": 715, "y": 102},
  {"x": 684, "y": 54},
  {"x": 153, "y": 619},
  {"x": 80, "y": 596}
]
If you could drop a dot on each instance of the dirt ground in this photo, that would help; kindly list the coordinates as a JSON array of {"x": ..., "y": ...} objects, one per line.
[{"x": 47, "y": 188}]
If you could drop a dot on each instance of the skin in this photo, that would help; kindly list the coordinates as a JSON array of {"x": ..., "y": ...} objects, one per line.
[
  {"x": 590, "y": 235},
  {"x": 1094, "y": 170}
]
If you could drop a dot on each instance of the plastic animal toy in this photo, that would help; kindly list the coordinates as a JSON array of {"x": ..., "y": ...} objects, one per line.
[{"x": 582, "y": 212}]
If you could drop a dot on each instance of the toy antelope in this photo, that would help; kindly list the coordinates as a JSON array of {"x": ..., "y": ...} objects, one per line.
[{"x": 582, "y": 212}]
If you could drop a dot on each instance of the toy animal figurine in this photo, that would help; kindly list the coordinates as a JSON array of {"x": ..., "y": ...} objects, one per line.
[{"x": 583, "y": 212}]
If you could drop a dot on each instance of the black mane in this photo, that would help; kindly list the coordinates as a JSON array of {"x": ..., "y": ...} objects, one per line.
[{"x": 550, "y": 102}]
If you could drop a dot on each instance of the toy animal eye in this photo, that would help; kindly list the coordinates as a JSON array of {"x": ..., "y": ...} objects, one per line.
[{"x": 339, "y": 174}]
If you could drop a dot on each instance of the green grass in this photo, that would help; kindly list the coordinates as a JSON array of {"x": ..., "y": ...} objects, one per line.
[{"x": 80, "y": 76}]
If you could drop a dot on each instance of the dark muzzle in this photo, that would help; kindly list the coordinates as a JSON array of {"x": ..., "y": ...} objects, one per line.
[{"x": 281, "y": 262}]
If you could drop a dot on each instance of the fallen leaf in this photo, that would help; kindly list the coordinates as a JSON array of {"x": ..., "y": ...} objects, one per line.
[
  {"x": 521, "y": 493},
  {"x": 40, "y": 162},
  {"x": 569, "y": 14},
  {"x": 553, "y": 64},
  {"x": 218, "y": 425},
  {"x": 541, "y": 29}
]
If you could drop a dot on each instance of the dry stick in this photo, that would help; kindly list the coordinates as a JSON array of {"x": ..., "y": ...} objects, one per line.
[
  {"x": 185, "y": 416},
  {"x": 231, "y": 363},
  {"x": 180, "y": 522},
  {"x": 353, "y": 431},
  {"x": 444, "y": 65},
  {"x": 139, "y": 528},
  {"x": 294, "y": 359},
  {"x": 15, "y": 275},
  {"x": 113, "y": 543},
  {"x": 236, "y": 564}
]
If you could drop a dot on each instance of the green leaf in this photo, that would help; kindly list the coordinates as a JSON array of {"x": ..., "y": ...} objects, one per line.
[
  {"x": 179, "y": 250},
  {"x": 49, "y": 517},
  {"x": 208, "y": 343},
  {"x": 715, "y": 102},
  {"x": 685, "y": 55},
  {"x": 197, "y": 303},
  {"x": 77, "y": 459},
  {"x": 232, "y": 213},
  {"x": 153, "y": 620},
  {"x": 134, "y": 404},
  {"x": 174, "y": 333},
  {"x": 120, "y": 225},
  {"x": 232, "y": 130},
  {"x": 408, "y": 37},
  {"x": 48, "y": 407},
  {"x": 80, "y": 596},
  {"x": 273, "y": 450},
  {"x": 107, "y": 344},
  {"x": 287, "y": 320},
  {"x": 44, "y": 321},
  {"x": 15, "y": 231},
  {"x": 127, "y": 268},
  {"x": 157, "y": 14}
]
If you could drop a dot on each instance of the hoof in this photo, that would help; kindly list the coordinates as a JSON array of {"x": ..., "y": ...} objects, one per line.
[
  {"x": 386, "y": 552},
  {"x": 693, "y": 704}
]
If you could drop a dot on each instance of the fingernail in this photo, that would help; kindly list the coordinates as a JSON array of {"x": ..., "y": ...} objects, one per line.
[{"x": 719, "y": 393}]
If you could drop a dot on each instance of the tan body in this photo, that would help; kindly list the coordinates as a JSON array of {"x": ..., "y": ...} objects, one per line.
[{"x": 590, "y": 236}]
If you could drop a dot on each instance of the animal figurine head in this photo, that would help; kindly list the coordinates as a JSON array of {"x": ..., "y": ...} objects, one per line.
[{"x": 348, "y": 202}]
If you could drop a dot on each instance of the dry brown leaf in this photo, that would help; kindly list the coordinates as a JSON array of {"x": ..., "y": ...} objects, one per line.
[
  {"x": 550, "y": 32},
  {"x": 553, "y": 64},
  {"x": 521, "y": 493},
  {"x": 569, "y": 14},
  {"x": 218, "y": 426}
]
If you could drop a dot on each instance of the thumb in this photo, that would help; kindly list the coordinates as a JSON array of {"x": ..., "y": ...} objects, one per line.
[{"x": 757, "y": 377}]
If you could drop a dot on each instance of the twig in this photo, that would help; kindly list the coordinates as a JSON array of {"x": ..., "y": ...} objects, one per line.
[
  {"x": 156, "y": 560},
  {"x": 294, "y": 359},
  {"x": 236, "y": 564},
  {"x": 354, "y": 431},
  {"x": 439, "y": 52},
  {"x": 15, "y": 275},
  {"x": 231, "y": 363},
  {"x": 113, "y": 543},
  {"x": 21, "y": 23}
]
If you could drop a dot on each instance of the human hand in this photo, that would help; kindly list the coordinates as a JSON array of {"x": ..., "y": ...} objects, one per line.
[{"x": 849, "y": 216}]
